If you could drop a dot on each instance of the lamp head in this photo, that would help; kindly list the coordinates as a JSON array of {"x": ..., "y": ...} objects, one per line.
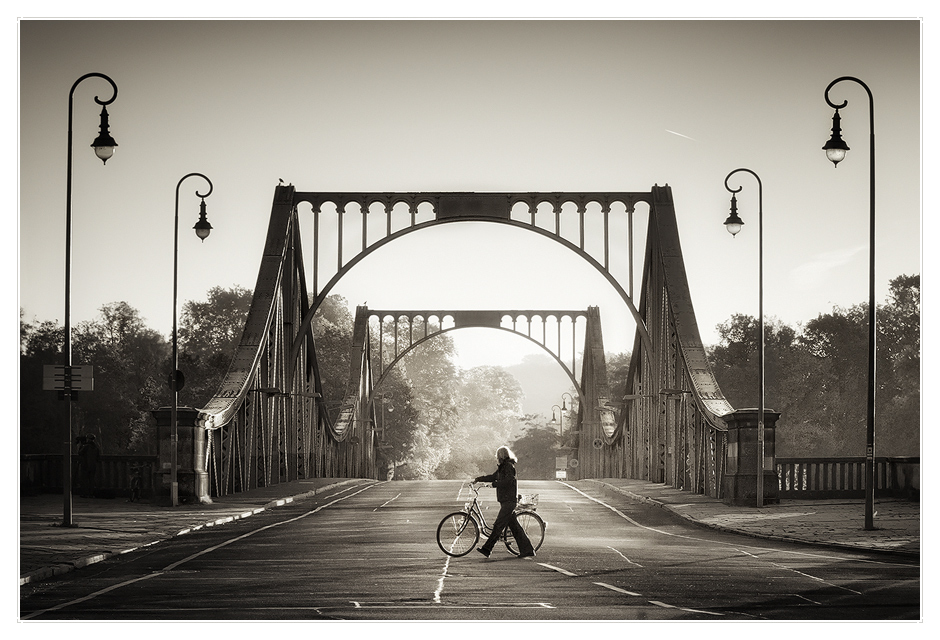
[
  {"x": 733, "y": 224},
  {"x": 202, "y": 227},
  {"x": 104, "y": 144},
  {"x": 835, "y": 147}
]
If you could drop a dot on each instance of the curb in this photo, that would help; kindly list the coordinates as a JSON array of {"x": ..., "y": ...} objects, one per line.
[
  {"x": 58, "y": 569},
  {"x": 765, "y": 536}
]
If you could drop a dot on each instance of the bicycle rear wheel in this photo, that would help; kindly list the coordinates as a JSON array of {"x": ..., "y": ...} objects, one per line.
[
  {"x": 534, "y": 528},
  {"x": 457, "y": 534}
]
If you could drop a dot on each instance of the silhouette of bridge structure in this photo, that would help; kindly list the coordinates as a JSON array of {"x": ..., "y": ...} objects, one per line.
[{"x": 269, "y": 423}]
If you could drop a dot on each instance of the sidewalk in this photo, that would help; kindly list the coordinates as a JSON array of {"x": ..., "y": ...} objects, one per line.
[
  {"x": 103, "y": 528},
  {"x": 106, "y": 527},
  {"x": 830, "y": 523}
]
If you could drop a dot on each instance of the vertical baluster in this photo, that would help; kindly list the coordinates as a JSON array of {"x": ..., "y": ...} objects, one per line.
[
  {"x": 339, "y": 238},
  {"x": 365, "y": 225},
  {"x": 606, "y": 238},
  {"x": 316, "y": 246}
]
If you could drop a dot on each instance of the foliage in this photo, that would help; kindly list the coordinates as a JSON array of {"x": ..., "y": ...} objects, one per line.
[
  {"x": 41, "y": 415},
  {"x": 818, "y": 378},
  {"x": 208, "y": 337},
  {"x": 490, "y": 410},
  {"x": 127, "y": 357},
  {"x": 332, "y": 335},
  {"x": 618, "y": 367},
  {"x": 536, "y": 449},
  {"x": 433, "y": 377}
]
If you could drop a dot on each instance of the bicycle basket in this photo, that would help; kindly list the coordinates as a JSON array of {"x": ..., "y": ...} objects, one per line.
[{"x": 528, "y": 501}]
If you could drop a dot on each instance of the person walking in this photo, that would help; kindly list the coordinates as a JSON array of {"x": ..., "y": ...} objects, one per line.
[{"x": 504, "y": 479}]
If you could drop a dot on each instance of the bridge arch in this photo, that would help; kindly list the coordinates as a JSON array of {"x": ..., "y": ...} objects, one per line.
[
  {"x": 474, "y": 320},
  {"x": 470, "y": 207}
]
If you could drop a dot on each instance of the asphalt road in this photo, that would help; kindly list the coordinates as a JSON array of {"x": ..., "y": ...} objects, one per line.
[{"x": 369, "y": 553}]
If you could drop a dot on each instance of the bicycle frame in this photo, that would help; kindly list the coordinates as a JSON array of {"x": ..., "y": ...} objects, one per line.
[{"x": 476, "y": 512}]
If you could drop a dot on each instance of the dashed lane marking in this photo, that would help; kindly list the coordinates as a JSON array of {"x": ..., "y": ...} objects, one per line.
[
  {"x": 559, "y": 570},
  {"x": 672, "y": 606},
  {"x": 617, "y": 589},
  {"x": 386, "y": 502}
]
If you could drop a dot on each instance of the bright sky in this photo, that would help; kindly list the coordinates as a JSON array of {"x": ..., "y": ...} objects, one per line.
[{"x": 608, "y": 105}]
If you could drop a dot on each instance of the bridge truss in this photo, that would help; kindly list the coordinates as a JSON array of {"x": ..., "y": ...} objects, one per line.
[{"x": 268, "y": 422}]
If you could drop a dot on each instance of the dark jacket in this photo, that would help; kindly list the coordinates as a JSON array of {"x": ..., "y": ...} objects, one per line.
[{"x": 504, "y": 479}]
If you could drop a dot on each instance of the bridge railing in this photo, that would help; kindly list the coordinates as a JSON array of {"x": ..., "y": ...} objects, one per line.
[
  {"x": 42, "y": 473},
  {"x": 809, "y": 478}
]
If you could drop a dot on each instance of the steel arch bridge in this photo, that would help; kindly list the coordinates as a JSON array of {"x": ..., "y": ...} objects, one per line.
[{"x": 267, "y": 423}]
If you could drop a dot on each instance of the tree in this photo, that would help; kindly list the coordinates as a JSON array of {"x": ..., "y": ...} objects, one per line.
[
  {"x": 537, "y": 449},
  {"x": 818, "y": 378},
  {"x": 41, "y": 415},
  {"x": 127, "y": 356},
  {"x": 618, "y": 367},
  {"x": 208, "y": 334},
  {"x": 490, "y": 414},
  {"x": 332, "y": 335},
  {"x": 433, "y": 378},
  {"x": 898, "y": 407}
]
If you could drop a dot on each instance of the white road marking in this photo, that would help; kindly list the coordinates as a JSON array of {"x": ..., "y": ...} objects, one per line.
[
  {"x": 695, "y": 539},
  {"x": 672, "y": 606},
  {"x": 618, "y": 589},
  {"x": 440, "y": 583},
  {"x": 786, "y": 568},
  {"x": 174, "y": 565},
  {"x": 796, "y": 595},
  {"x": 553, "y": 568},
  {"x": 625, "y": 557},
  {"x": 386, "y": 502}
]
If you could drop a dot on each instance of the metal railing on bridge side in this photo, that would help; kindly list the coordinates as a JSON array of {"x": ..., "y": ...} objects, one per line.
[
  {"x": 42, "y": 473},
  {"x": 820, "y": 478}
]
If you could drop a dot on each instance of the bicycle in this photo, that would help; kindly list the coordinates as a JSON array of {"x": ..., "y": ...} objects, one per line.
[{"x": 459, "y": 532}]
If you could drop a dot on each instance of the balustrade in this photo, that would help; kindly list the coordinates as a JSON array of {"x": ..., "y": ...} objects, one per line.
[
  {"x": 42, "y": 473},
  {"x": 809, "y": 478}
]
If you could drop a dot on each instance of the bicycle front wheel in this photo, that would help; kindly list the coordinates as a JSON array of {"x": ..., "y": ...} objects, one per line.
[
  {"x": 534, "y": 528},
  {"x": 457, "y": 534}
]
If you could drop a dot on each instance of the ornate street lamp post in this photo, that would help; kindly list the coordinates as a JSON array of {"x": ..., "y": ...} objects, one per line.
[
  {"x": 104, "y": 148},
  {"x": 836, "y": 149},
  {"x": 734, "y": 224},
  {"x": 202, "y": 228},
  {"x": 561, "y": 419}
]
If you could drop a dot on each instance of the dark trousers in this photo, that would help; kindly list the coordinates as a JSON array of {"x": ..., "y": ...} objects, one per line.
[{"x": 504, "y": 519}]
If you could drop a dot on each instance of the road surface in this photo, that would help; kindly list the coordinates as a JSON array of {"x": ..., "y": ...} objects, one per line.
[{"x": 368, "y": 552}]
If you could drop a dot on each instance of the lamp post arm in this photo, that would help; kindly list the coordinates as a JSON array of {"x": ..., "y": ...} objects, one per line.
[
  {"x": 67, "y": 350},
  {"x": 176, "y": 220}
]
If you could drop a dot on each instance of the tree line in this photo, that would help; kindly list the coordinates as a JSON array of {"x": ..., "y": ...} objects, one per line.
[
  {"x": 816, "y": 376},
  {"x": 443, "y": 422}
]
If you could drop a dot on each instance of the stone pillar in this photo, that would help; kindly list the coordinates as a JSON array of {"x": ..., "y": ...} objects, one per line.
[
  {"x": 740, "y": 478},
  {"x": 191, "y": 476}
]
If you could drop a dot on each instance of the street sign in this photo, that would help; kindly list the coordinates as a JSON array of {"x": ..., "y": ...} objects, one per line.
[{"x": 58, "y": 377}]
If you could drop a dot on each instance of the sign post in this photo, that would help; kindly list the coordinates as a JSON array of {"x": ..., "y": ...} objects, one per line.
[{"x": 67, "y": 380}]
